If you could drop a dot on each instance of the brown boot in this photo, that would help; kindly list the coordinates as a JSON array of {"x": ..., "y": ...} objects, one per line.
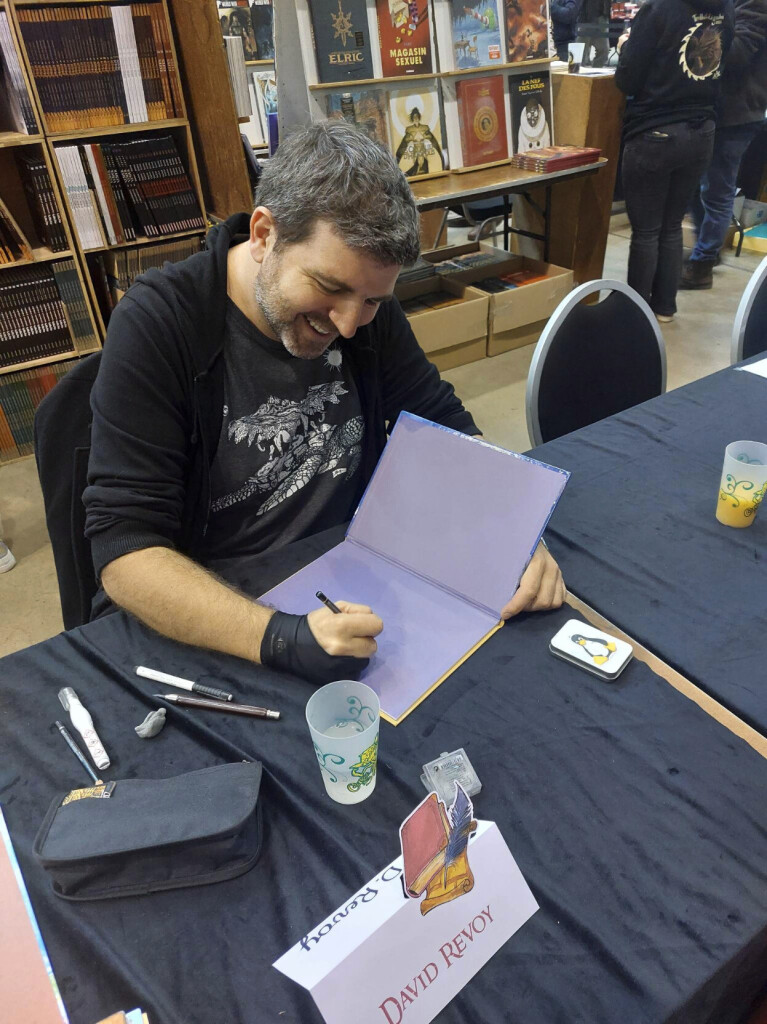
[{"x": 697, "y": 274}]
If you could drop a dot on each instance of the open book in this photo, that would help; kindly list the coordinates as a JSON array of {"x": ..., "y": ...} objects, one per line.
[{"x": 437, "y": 547}]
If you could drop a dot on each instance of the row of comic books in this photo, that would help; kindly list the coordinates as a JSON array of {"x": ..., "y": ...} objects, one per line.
[
  {"x": 411, "y": 120},
  {"x": 354, "y": 42},
  {"x": 43, "y": 313},
  {"x": 96, "y": 65},
  {"x": 20, "y": 395}
]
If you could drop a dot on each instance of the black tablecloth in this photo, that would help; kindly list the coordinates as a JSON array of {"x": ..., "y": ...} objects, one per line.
[
  {"x": 636, "y": 535},
  {"x": 638, "y": 821}
]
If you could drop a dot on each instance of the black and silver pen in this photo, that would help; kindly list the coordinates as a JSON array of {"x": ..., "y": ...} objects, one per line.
[
  {"x": 78, "y": 753},
  {"x": 182, "y": 684},
  {"x": 217, "y": 705},
  {"x": 328, "y": 603}
]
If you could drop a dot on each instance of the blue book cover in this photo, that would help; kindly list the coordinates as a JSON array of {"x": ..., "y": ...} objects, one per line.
[
  {"x": 341, "y": 40},
  {"x": 476, "y": 33}
]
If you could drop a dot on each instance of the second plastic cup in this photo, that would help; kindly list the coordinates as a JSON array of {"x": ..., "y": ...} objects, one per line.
[{"x": 743, "y": 484}]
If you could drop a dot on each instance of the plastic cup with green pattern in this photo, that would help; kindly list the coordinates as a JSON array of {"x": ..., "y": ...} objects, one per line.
[
  {"x": 343, "y": 720},
  {"x": 743, "y": 484}
]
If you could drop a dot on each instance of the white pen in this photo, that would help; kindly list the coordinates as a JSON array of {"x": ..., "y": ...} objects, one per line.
[
  {"x": 182, "y": 684},
  {"x": 82, "y": 721}
]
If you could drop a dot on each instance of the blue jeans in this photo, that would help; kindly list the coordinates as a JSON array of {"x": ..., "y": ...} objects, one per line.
[
  {"x": 712, "y": 207},
  {"x": 661, "y": 168}
]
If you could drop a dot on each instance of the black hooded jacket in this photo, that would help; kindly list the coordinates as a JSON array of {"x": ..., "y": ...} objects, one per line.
[
  {"x": 158, "y": 401},
  {"x": 744, "y": 83},
  {"x": 671, "y": 65}
]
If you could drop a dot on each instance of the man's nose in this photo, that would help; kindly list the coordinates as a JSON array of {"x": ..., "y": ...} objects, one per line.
[{"x": 346, "y": 317}]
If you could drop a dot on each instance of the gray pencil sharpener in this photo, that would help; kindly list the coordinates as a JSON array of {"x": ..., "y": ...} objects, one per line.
[{"x": 441, "y": 774}]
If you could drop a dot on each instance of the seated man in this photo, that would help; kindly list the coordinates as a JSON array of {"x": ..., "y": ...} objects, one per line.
[{"x": 244, "y": 397}]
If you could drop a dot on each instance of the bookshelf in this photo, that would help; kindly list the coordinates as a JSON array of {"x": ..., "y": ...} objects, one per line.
[
  {"x": 139, "y": 65},
  {"x": 153, "y": 107}
]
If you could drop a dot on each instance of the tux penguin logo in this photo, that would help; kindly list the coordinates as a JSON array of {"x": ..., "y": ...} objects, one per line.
[{"x": 598, "y": 649}]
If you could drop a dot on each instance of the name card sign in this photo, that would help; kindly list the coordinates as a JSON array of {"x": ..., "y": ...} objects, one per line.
[{"x": 380, "y": 959}]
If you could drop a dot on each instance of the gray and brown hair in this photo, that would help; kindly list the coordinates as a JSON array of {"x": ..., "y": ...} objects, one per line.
[{"x": 333, "y": 171}]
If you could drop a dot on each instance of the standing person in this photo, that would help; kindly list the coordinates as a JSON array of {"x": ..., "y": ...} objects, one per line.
[
  {"x": 564, "y": 17},
  {"x": 744, "y": 99},
  {"x": 670, "y": 68},
  {"x": 7, "y": 561},
  {"x": 594, "y": 31}
]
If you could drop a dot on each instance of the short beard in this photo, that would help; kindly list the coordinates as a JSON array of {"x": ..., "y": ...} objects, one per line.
[{"x": 276, "y": 311}]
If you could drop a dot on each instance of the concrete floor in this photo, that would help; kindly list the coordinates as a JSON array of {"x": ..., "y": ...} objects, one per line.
[{"x": 697, "y": 343}]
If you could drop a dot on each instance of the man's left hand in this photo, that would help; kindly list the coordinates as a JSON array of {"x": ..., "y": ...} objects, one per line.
[{"x": 540, "y": 588}]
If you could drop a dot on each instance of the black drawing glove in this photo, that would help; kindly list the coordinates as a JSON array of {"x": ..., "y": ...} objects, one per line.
[{"x": 289, "y": 646}]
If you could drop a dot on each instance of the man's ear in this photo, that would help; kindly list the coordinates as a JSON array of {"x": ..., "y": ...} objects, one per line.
[{"x": 263, "y": 233}]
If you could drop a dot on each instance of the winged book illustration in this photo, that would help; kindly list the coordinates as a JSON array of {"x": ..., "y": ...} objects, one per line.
[{"x": 435, "y": 850}]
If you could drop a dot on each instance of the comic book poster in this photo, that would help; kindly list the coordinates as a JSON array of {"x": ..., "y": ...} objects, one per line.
[
  {"x": 530, "y": 112},
  {"x": 415, "y": 130},
  {"x": 234, "y": 18},
  {"x": 476, "y": 30},
  {"x": 527, "y": 30},
  {"x": 405, "y": 37},
  {"x": 364, "y": 107},
  {"x": 261, "y": 17}
]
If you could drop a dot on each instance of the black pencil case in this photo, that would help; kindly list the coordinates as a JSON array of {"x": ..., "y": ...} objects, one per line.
[{"x": 153, "y": 834}]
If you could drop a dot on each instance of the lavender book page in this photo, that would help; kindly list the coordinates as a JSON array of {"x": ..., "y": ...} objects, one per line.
[{"x": 436, "y": 548}]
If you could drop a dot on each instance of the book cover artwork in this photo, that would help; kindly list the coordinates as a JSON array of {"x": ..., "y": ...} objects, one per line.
[
  {"x": 416, "y": 132},
  {"x": 403, "y": 30},
  {"x": 476, "y": 32},
  {"x": 261, "y": 18},
  {"x": 341, "y": 40},
  {"x": 235, "y": 20},
  {"x": 435, "y": 850},
  {"x": 530, "y": 112},
  {"x": 527, "y": 30},
  {"x": 364, "y": 107},
  {"x": 482, "y": 120},
  {"x": 266, "y": 82}
]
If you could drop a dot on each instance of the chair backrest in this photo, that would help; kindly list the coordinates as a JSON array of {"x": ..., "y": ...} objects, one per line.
[
  {"x": 62, "y": 446},
  {"x": 749, "y": 332},
  {"x": 251, "y": 163},
  {"x": 592, "y": 361}
]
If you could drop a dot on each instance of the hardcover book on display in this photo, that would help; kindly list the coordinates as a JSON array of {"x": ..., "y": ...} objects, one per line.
[
  {"x": 531, "y": 117},
  {"x": 482, "y": 119},
  {"x": 476, "y": 33},
  {"x": 436, "y": 547},
  {"x": 262, "y": 20},
  {"x": 367, "y": 108},
  {"x": 235, "y": 20},
  {"x": 405, "y": 37},
  {"x": 526, "y": 24},
  {"x": 341, "y": 40},
  {"x": 415, "y": 132}
]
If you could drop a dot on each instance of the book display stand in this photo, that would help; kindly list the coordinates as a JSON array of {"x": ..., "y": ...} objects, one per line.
[{"x": 429, "y": 80}]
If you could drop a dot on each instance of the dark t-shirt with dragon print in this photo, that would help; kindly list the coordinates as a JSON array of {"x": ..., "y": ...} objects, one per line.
[{"x": 290, "y": 444}]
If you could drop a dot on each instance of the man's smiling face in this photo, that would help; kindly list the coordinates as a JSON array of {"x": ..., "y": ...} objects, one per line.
[{"x": 311, "y": 292}]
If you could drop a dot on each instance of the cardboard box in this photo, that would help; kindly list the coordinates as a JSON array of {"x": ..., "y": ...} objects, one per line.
[
  {"x": 456, "y": 334},
  {"x": 753, "y": 213},
  {"x": 516, "y": 317}
]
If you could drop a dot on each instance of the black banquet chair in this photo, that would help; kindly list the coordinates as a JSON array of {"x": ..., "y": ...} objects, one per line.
[
  {"x": 62, "y": 445},
  {"x": 592, "y": 361},
  {"x": 749, "y": 332}
]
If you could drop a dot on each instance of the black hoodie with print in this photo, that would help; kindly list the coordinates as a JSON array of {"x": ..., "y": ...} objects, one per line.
[{"x": 670, "y": 67}]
